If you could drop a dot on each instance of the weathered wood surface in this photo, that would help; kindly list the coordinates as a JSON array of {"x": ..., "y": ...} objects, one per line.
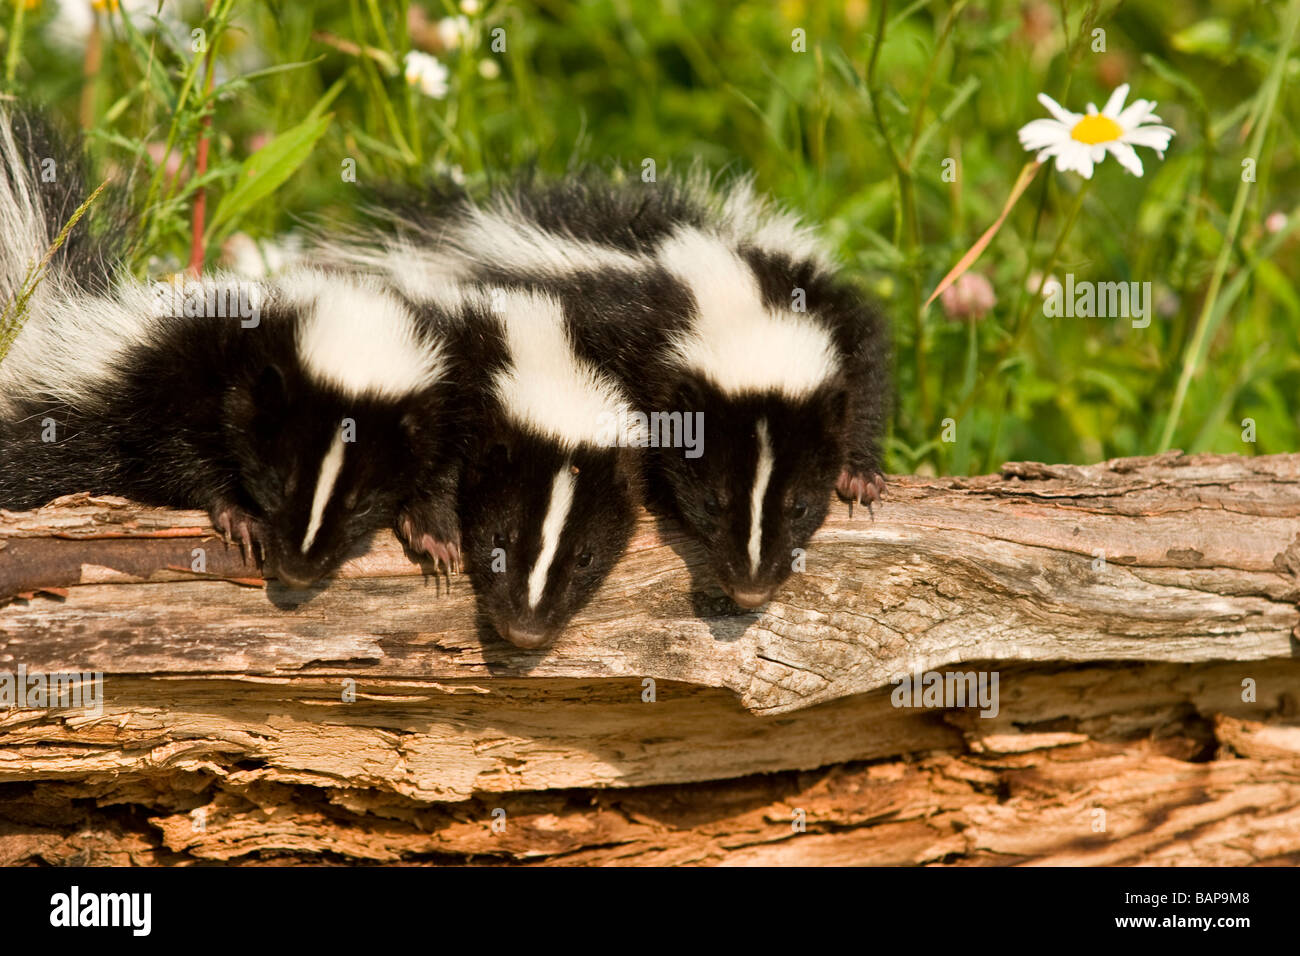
[
  {"x": 1200, "y": 554},
  {"x": 1154, "y": 764},
  {"x": 1160, "y": 685},
  {"x": 425, "y": 742}
]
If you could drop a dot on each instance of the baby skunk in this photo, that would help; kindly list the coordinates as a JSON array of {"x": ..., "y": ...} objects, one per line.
[
  {"x": 789, "y": 367},
  {"x": 740, "y": 317},
  {"x": 301, "y": 415},
  {"x": 549, "y": 495}
]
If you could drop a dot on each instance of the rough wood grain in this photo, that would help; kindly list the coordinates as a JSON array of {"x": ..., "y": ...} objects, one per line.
[
  {"x": 1200, "y": 557},
  {"x": 435, "y": 742},
  {"x": 1189, "y": 790},
  {"x": 375, "y": 721}
]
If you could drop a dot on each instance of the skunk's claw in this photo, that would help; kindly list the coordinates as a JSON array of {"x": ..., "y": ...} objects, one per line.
[
  {"x": 426, "y": 529},
  {"x": 234, "y": 523},
  {"x": 448, "y": 552},
  {"x": 862, "y": 488}
]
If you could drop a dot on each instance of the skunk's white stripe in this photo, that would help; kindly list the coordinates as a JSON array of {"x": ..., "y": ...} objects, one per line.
[
  {"x": 21, "y": 222},
  {"x": 557, "y": 512},
  {"x": 498, "y": 237},
  {"x": 735, "y": 341},
  {"x": 506, "y": 238},
  {"x": 73, "y": 343},
  {"x": 358, "y": 338},
  {"x": 748, "y": 218},
  {"x": 546, "y": 387},
  {"x": 330, "y": 467},
  {"x": 423, "y": 272},
  {"x": 70, "y": 340},
  {"x": 762, "y": 475}
]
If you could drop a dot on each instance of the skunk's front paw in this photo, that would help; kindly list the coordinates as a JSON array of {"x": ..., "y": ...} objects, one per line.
[
  {"x": 862, "y": 487},
  {"x": 431, "y": 528},
  {"x": 237, "y": 524}
]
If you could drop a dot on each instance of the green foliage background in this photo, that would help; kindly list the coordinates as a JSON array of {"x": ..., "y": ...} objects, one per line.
[{"x": 859, "y": 149}]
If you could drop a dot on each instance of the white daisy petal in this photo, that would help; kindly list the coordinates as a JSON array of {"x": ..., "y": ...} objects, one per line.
[
  {"x": 1057, "y": 110},
  {"x": 1152, "y": 137},
  {"x": 1116, "y": 102},
  {"x": 1042, "y": 132},
  {"x": 1064, "y": 163},
  {"x": 1127, "y": 157},
  {"x": 1047, "y": 155},
  {"x": 1139, "y": 111},
  {"x": 1075, "y": 156}
]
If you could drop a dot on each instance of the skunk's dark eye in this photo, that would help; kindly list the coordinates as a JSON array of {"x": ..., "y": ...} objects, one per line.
[
  {"x": 799, "y": 509},
  {"x": 584, "y": 559},
  {"x": 712, "y": 505},
  {"x": 498, "y": 540}
]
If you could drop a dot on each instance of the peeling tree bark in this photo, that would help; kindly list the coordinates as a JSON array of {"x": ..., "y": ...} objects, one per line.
[{"x": 1140, "y": 614}]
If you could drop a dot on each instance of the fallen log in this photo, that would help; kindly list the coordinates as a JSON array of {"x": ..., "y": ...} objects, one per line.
[{"x": 1140, "y": 616}]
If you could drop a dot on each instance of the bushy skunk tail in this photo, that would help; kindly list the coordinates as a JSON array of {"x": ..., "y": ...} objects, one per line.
[{"x": 42, "y": 185}]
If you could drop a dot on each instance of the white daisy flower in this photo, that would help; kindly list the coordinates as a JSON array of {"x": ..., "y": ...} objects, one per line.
[
  {"x": 452, "y": 31},
  {"x": 426, "y": 72},
  {"x": 1038, "y": 285},
  {"x": 1080, "y": 141},
  {"x": 73, "y": 19}
]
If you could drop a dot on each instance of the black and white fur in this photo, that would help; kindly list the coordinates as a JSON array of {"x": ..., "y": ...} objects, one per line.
[
  {"x": 697, "y": 291},
  {"x": 549, "y": 490},
  {"x": 299, "y": 435}
]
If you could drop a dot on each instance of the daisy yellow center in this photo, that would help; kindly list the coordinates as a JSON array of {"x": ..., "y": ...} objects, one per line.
[{"x": 1096, "y": 129}]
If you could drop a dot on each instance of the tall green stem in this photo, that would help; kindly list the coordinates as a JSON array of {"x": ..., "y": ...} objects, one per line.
[
  {"x": 1022, "y": 317},
  {"x": 15, "y": 42},
  {"x": 908, "y": 231},
  {"x": 1200, "y": 339}
]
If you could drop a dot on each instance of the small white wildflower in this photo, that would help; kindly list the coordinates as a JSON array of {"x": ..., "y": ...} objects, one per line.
[
  {"x": 489, "y": 69},
  {"x": 427, "y": 73},
  {"x": 1037, "y": 285},
  {"x": 452, "y": 31},
  {"x": 73, "y": 19},
  {"x": 1080, "y": 141}
]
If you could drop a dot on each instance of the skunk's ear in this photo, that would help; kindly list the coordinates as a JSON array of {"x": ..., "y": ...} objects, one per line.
[
  {"x": 500, "y": 452},
  {"x": 414, "y": 424},
  {"x": 261, "y": 408},
  {"x": 835, "y": 409},
  {"x": 628, "y": 473},
  {"x": 688, "y": 396},
  {"x": 489, "y": 456},
  {"x": 271, "y": 392}
]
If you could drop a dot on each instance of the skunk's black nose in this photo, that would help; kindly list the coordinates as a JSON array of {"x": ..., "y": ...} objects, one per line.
[
  {"x": 291, "y": 580},
  {"x": 749, "y": 599},
  {"x": 529, "y": 640},
  {"x": 294, "y": 572}
]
